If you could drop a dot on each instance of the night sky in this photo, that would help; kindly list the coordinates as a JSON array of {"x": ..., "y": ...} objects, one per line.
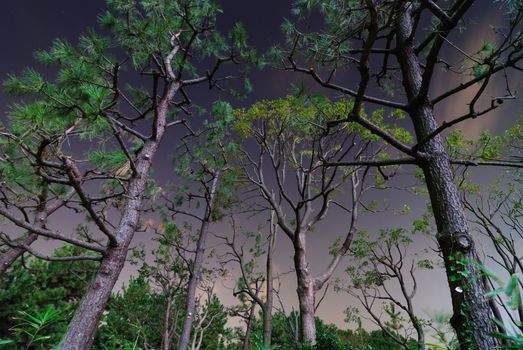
[{"x": 29, "y": 25}]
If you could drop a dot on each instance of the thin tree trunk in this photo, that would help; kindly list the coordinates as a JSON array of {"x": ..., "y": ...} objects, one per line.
[
  {"x": 471, "y": 318},
  {"x": 248, "y": 328},
  {"x": 267, "y": 310},
  {"x": 197, "y": 267},
  {"x": 166, "y": 338}
]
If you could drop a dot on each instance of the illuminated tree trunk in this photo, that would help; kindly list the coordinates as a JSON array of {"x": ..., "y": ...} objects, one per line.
[
  {"x": 306, "y": 293},
  {"x": 472, "y": 317}
]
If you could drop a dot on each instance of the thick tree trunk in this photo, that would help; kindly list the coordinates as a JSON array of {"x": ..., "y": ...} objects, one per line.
[
  {"x": 306, "y": 300},
  {"x": 12, "y": 254},
  {"x": 306, "y": 293},
  {"x": 197, "y": 268},
  {"x": 471, "y": 318},
  {"x": 82, "y": 328},
  {"x": 43, "y": 211}
]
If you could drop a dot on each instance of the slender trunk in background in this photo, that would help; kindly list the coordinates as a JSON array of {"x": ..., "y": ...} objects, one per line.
[
  {"x": 248, "y": 328},
  {"x": 471, "y": 318},
  {"x": 197, "y": 266},
  {"x": 167, "y": 335},
  {"x": 13, "y": 253},
  {"x": 267, "y": 310}
]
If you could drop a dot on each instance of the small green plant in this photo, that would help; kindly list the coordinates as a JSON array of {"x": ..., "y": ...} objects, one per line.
[
  {"x": 31, "y": 324},
  {"x": 512, "y": 338}
]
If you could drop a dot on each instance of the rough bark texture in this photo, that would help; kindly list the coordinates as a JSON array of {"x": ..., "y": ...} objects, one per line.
[
  {"x": 82, "y": 328},
  {"x": 471, "y": 318},
  {"x": 197, "y": 268}
]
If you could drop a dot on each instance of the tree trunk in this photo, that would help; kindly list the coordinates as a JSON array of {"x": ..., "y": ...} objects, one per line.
[
  {"x": 306, "y": 300},
  {"x": 248, "y": 328},
  {"x": 82, "y": 328},
  {"x": 267, "y": 310},
  {"x": 167, "y": 335},
  {"x": 305, "y": 293},
  {"x": 197, "y": 267},
  {"x": 471, "y": 318}
]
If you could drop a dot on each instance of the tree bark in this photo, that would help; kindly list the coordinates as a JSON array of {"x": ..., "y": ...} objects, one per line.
[
  {"x": 471, "y": 318},
  {"x": 306, "y": 300},
  {"x": 197, "y": 267},
  {"x": 306, "y": 291},
  {"x": 248, "y": 328},
  {"x": 82, "y": 328}
]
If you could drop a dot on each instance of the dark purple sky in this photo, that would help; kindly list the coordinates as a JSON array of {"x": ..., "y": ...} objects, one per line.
[{"x": 29, "y": 25}]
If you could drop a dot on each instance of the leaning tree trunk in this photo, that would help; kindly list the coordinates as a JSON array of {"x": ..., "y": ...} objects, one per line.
[
  {"x": 471, "y": 318},
  {"x": 197, "y": 267},
  {"x": 82, "y": 328},
  {"x": 305, "y": 294}
]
